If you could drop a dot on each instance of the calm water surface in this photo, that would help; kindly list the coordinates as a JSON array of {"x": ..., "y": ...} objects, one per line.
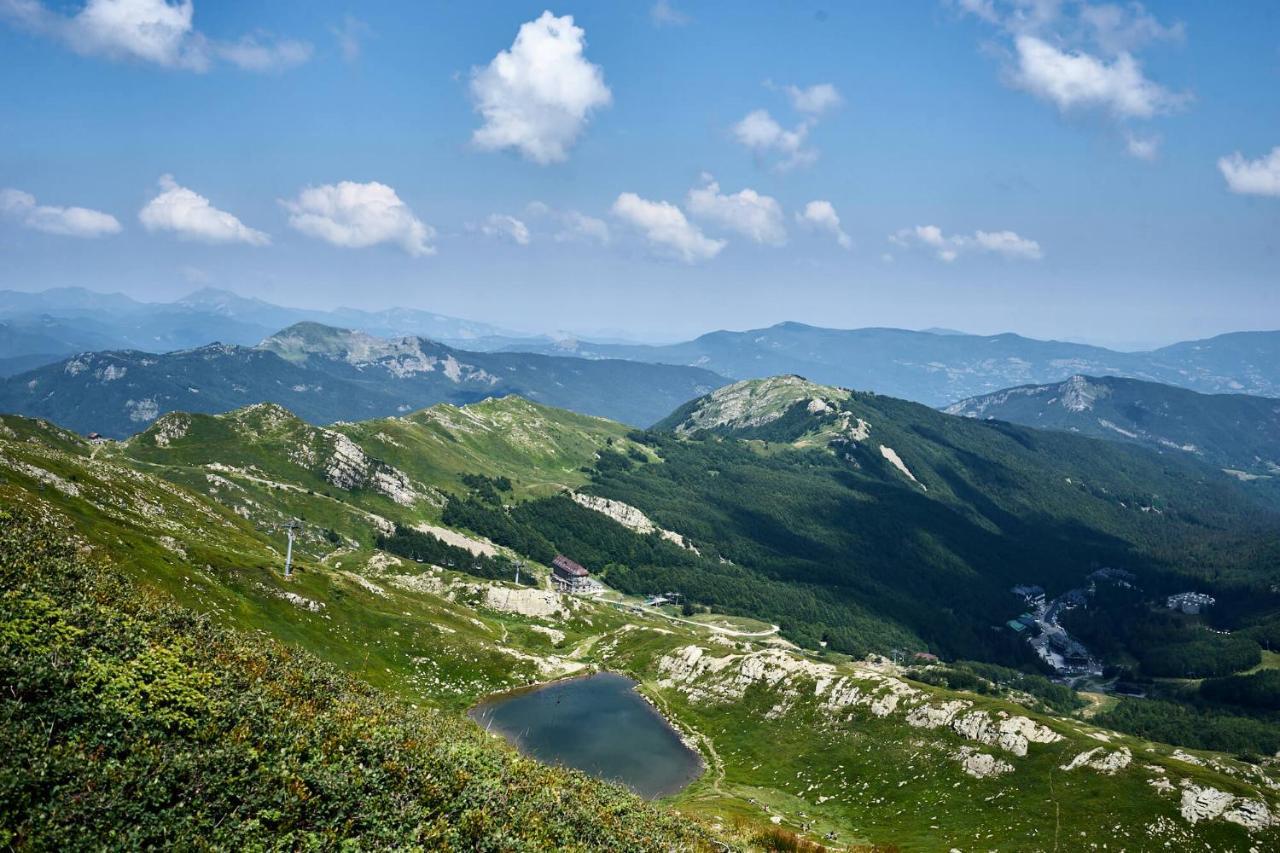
[{"x": 598, "y": 724}]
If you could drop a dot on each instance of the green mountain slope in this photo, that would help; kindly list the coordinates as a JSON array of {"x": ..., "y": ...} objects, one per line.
[
  {"x": 325, "y": 374},
  {"x": 876, "y": 512},
  {"x": 809, "y": 741},
  {"x": 140, "y": 724},
  {"x": 1231, "y": 431}
]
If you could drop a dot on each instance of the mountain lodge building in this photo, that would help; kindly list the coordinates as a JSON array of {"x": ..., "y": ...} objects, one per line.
[{"x": 569, "y": 576}]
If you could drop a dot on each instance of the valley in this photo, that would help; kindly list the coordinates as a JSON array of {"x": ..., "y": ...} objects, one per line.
[{"x": 812, "y": 730}]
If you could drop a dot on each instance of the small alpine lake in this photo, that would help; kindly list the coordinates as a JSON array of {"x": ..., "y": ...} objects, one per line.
[{"x": 598, "y": 724}]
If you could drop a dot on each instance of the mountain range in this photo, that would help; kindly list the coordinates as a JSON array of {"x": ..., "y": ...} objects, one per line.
[
  {"x": 937, "y": 367},
  {"x": 1236, "y": 432},
  {"x": 940, "y": 367},
  {"x": 856, "y": 522},
  {"x": 39, "y": 328},
  {"x": 327, "y": 374}
]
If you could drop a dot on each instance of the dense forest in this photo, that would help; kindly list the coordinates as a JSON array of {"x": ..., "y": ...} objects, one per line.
[
  {"x": 425, "y": 548},
  {"x": 836, "y": 547}
]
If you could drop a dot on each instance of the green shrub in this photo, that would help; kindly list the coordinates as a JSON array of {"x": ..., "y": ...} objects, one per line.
[{"x": 128, "y": 722}]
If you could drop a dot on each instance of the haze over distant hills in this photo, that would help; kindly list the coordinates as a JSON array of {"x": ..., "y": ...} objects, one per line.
[
  {"x": 327, "y": 374},
  {"x": 39, "y": 328},
  {"x": 940, "y": 366},
  {"x": 936, "y": 367},
  {"x": 1232, "y": 431}
]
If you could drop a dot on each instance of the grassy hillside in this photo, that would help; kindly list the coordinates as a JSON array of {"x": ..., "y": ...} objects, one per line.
[
  {"x": 852, "y": 517},
  {"x": 129, "y": 722},
  {"x": 817, "y": 740}
]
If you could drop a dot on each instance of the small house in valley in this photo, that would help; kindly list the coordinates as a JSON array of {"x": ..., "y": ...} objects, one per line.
[{"x": 569, "y": 576}]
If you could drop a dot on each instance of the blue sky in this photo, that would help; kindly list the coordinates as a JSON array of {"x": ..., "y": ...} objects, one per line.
[{"x": 1059, "y": 169}]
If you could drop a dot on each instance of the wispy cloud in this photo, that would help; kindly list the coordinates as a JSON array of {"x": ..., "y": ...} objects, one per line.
[
  {"x": 1008, "y": 244},
  {"x": 158, "y": 32},
  {"x": 66, "y": 221}
]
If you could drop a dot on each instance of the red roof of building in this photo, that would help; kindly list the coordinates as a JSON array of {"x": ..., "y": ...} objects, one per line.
[{"x": 569, "y": 567}]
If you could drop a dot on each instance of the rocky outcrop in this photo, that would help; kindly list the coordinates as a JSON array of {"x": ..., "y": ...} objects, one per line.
[
  {"x": 349, "y": 467},
  {"x": 525, "y": 601},
  {"x": 981, "y": 765},
  {"x": 629, "y": 517},
  {"x": 1207, "y": 803},
  {"x": 1102, "y": 760},
  {"x": 936, "y": 716},
  {"x": 170, "y": 428},
  {"x": 1012, "y": 734}
]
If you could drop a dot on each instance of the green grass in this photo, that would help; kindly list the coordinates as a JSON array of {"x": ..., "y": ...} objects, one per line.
[
  {"x": 129, "y": 722},
  {"x": 439, "y": 648},
  {"x": 1270, "y": 660}
]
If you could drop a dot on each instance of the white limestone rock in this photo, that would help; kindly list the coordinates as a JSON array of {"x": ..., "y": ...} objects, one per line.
[{"x": 1101, "y": 760}]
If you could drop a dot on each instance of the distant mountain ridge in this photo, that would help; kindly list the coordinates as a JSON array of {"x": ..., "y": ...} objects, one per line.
[
  {"x": 40, "y": 328},
  {"x": 1236, "y": 432},
  {"x": 327, "y": 374},
  {"x": 937, "y": 368}
]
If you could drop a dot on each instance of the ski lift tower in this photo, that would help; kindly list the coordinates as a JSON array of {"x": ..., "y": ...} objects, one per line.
[{"x": 291, "y": 529}]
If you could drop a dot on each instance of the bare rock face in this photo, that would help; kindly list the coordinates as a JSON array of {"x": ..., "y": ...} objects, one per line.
[
  {"x": 1012, "y": 734},
  {"x": 348, "y": 467},
  {"x": 981, "y": 765},
  {"x": 1102, "y": 760},
  {"x": 1206, "y": 803},
  {"x": 936, "y": 716},
  {"x": 629, "y": 517},
  {"x": 170, "y": 428}
]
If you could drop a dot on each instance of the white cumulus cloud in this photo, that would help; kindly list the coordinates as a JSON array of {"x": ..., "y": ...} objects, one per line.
[
  {"x": 821, "y": 215},
  {"x": 537, "y": 97},
  {"x": 1252, "y": 177},
  {"x": 161, "y": 32},
  {"x": 665, "y": 227},
  {"x": 190, "y": 215},
  {"x": 762, "y": 133},
  {"x": 814, "y": 100},
  {"x": 507, "y": 227},
  {"x": 355, "y": 216},
  {"x": 1076, "y": 80},
  {"x": 1008, "y": 244},
  {"x": 1082, "y": 56},
  {"x": 756, "y": 216},
  {"x": 67, "y": 221}
]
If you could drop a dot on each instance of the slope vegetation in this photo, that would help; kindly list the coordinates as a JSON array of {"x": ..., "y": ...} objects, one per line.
[
  {"x": 808, "y": 741},
  {"x": 1236, "y": 432},
  {"x": 138, "y": 724}
]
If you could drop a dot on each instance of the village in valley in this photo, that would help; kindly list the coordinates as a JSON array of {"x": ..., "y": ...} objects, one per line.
[{"x": 1072, "y": 662}]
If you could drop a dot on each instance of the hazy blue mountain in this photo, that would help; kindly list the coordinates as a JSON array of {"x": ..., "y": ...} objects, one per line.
[
  {"x": 1237, "y": 362},
  {"x": 326, "y": 374},
  {"x": 1236, "y": 432},
  {"x": 39, "y": 328},
  {"x": 940, "y": 367}
]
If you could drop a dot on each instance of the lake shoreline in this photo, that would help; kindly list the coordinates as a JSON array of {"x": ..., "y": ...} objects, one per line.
[{"x": 641, "y": 753}]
